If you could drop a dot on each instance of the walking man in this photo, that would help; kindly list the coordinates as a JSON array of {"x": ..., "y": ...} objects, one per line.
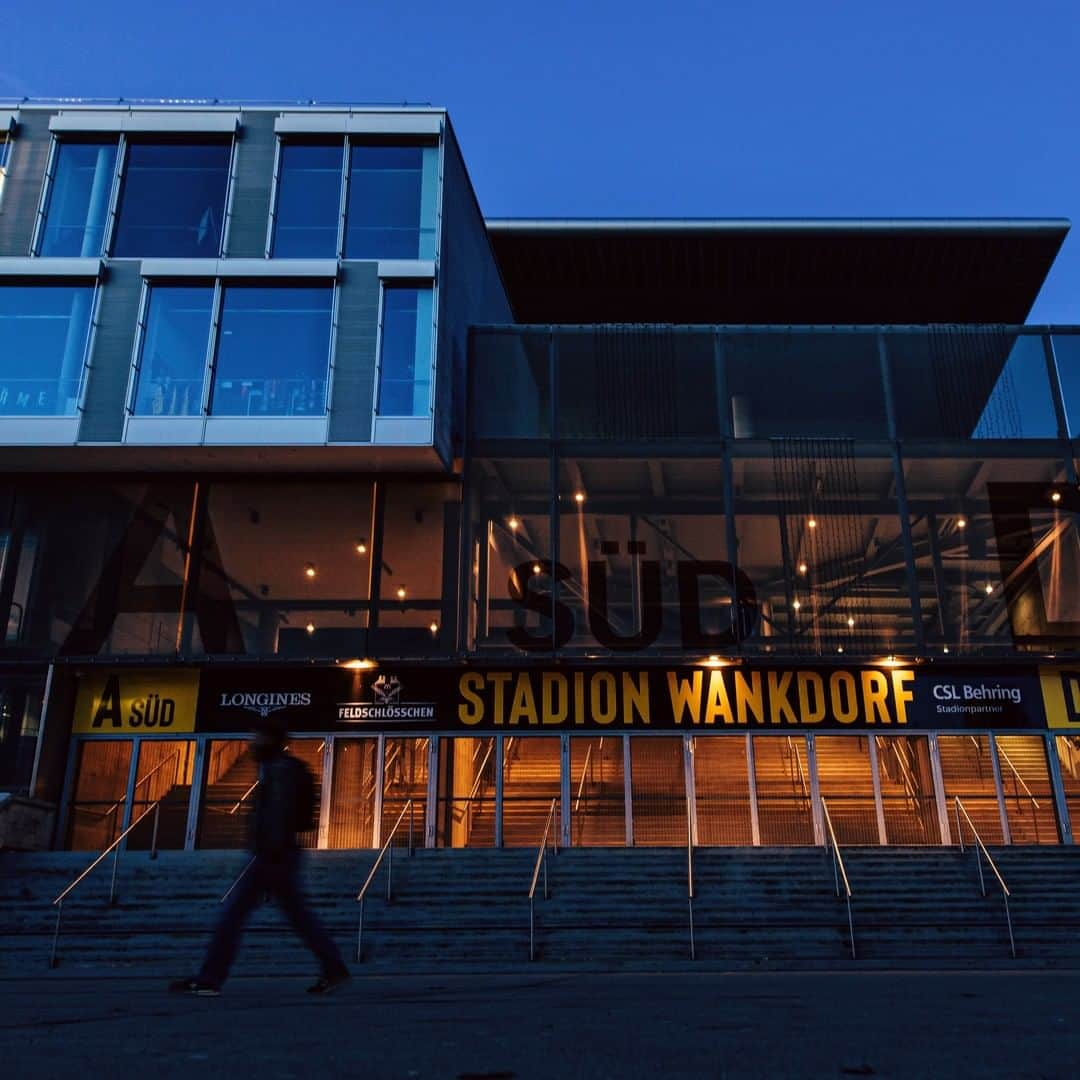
[{"x": 284, "y": 805}]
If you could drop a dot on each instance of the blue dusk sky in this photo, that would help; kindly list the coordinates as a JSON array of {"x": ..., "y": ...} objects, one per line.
[{"x": 611, "y": 108}]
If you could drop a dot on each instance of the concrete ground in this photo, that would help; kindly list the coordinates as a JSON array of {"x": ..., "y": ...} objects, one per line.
[{"x": 531, "y": 1023}]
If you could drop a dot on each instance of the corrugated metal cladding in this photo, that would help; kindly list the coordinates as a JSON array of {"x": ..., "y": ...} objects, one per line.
[
  {"x": 253, "y": 174},
  {"x": 110, "y": 361},
  {"x": 22, "y": 188},
  {"x": 354, "y": 357}
]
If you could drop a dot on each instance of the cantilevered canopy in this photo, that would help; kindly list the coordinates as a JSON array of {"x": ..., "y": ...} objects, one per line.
[{"x": 775, "y": 271}]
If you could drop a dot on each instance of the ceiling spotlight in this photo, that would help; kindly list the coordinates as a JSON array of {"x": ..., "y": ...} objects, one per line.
[
  {"x": 513, "y": 523},
  {"x": 961, "y": 523},
  {"x": 796, "y": 605},
  {"x": 851, "y": 621},
  {"x": 401, "y": 592},
  {"x": 802, "y": 568},
  {"x": 361, "y": 547},
  {"x": 310, "y": 628},
  {"x": 1055, "y": 496},
  {"x": 812, "y": 523},
  {"x": 579, "y": 496},
  {"x": 434, "y": 627},
  {"x": 536, "y": 568},
  {"x": 946, "y": 649},
  {"x": 309, "y": 570},
  {"x": 989, "y": 588},
  {"x": 839, "y": 648}
]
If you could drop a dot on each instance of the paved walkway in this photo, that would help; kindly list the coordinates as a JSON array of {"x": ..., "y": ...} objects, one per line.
[{"x": 536, "y": 1024}]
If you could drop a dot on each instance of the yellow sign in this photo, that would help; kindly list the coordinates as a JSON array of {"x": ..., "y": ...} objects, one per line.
[
  {"x": 146, "y": 701},
  {"x": 1061, "y": 696}
]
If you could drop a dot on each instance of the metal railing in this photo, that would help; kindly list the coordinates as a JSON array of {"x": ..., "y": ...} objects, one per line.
[
  {"x": 387, "y": 852},
  {"x": 541, "y": 864},
  {"x": 690, "y": 876},
  {"x": 839, "y": 871},
  {"x": 981, "y": 847},
  {"x": 114, "y": 848}
]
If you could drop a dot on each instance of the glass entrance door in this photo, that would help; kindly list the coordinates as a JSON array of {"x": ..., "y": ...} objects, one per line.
[
  {"x": 532, "y": 768},
  {"x": 1025, "y": 782},
  {"x": 658, "y": 790},
  {"x": 96, "y": 811},
  {"x": 846, "y": 782},
  {"x": 781, "y": 772},
  {"x": 907, "y": 790},
  {"x": 352, "y": 799},
  {"x": 597, "y": 792},
  {"x": 722, "y": 790},
  {"x": 163, "y": 772},
  {"x": 465, "y": 812}
]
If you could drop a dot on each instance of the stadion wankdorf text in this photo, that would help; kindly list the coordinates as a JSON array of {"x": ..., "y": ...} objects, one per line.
[{"x": 695, "y": 698}]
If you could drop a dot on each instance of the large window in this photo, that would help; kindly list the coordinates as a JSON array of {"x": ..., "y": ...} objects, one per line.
[
  {"x": 405, "y": 355},
  {"x": 43, "y": 335},
  {"x": 172, "y": 363},
  {"x": 273, "y": 351},
  {"x": 78, "y": 208},
  {"x": 391, "y": 208},
  {"x": 172, "y": 203},
  {"x": 308, "y": 200}
]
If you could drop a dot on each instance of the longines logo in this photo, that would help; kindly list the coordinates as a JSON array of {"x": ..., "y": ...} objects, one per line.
[
  {"x": 266, "y": 703},
  {"x": 386, "y": 704}
]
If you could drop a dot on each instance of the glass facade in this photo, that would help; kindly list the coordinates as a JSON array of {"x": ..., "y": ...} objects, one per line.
[
  {"x": 79, "y": 197},
  {"x": 172, "y": 200},
  {"x": 273, "y": 351},
  {"x": 308, "y": 211},
  {"x": 44, "y": 331},
  {"x": 173, "y": 360},
  {"x": 405, "y": 354}
]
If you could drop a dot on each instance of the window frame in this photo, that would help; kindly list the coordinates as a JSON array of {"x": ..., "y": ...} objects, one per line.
[{"x": 275, "y": 185}]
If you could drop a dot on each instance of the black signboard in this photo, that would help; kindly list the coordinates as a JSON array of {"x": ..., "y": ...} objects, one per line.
[{"x": 735, "y": 697}]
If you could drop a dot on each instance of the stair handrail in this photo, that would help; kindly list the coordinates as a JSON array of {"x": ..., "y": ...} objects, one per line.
[
  {"x": 905, "y": 769},
  {"x": 794, "y": 748},
  {"x": 839, "y": 870},
  {"x": 981, "y": 847},
  {"x": 244, "y": 798},
  {"x": 386, "y": 851},
  {"x": 120, "y": 802},
  {"x": 541, "y": 862},
  {"x": 114, "y": 848},
  {"x": 1008, "y": 761},
  {"x": 690, "y": 888},
  {"x": 581, "y": 783}
]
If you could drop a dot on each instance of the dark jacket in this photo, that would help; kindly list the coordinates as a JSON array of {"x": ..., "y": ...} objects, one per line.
[{"x": 274, "y": 823}]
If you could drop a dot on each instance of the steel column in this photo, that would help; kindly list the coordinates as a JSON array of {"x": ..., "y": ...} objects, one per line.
[
  {"x": 755, "y": 825},
  {"x": 939, "y": 789},
  {"x": 879, "y": 806},
  {"x": 1006, "y": 834},
  {"x": 1061, "y": 804}
]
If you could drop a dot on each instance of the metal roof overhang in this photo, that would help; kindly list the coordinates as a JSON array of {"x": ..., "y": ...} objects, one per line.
[{"x": 775, "y": 271}]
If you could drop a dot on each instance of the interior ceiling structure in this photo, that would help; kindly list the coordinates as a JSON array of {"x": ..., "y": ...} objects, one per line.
[{"x": 775, "y": 272}]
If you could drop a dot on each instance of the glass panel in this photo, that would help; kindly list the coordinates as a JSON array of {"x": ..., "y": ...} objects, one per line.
[
  {"x": 907, "y": 790},
  {"x": 817, "y": 384},
  {"x": 531, "y": 779},
  {"x": 643, "y": 554},
  {"x": 163, "y": 771},
  {"x": 352, "y": 799},
  {"x": 308, "y": 200},
  {"x": 78, "y": 208},
  {"x": 172, "y": 203},
  {"x": 510, "y": 549},
  {"x": 968, "y": 773},
  {"x": 1067, "y": 355},
  {"x": 597, "y": 792},
  {"x": 820, "y": 541},
  {"x": 1029, "y": 796},
  {"x": 391, "y": 208},
  {"x": 273, "y": 351},
  {"x": 229, "y": 796},
  {"x": 6, "y": 142},
  {"x": 971, "y": 383},
  {"x": 285, "y": 568},
  {"x": 413, "y": 596},
  {"x": 1068, "y": 751},
  {"x": 20, "y": 723},
  {"x": 43, "y": 335},
  {"x": 405, "y": 777},
  {"x": 95, "y": 567},
  {"x": 405, "y": 363},
  {"x": 785, "y": 812},
  {"x": 846, "y": 782},
  {"x": 96, "y": 810},
  {"x": 310, "y": 752},
  {"x": 997, "y": 559},
  {"x": 722, "y": 789},
  {"x": 465, "y": 812},
  {"x": 173, "y": 362},
  {"x": 658, "y": 791},
  {"x": 511, "y": 385}
]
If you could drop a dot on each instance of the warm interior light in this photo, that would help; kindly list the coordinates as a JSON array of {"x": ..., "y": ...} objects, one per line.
[
  {"x": 401, "y": 592},
  {"x": 839, "y": 648},
  {"x": 310, "y": 628},
  {"x": 717, "y": 661},
  {"x": 434, "y": 627},
  {"x": 1055, "y": 496},
  {"x": 851, "y": 621},
  {"x": 536, "y": 568},
  {"x": 946, "y": 649},
  {"x": 579, "y": 496},
  {"x": 961, "y": 523},
  {"x": 358, "y": 665},
  {"x": 361, "y": 547},
  {"x": 309, "y": 570},
  {"x": 513, "y": 523},
  {"x": 812, "y": 523},
  {"x": 989, "y": 588},
  {"x": 802, "y": 568},
  {"x": 796, "y": 605}
]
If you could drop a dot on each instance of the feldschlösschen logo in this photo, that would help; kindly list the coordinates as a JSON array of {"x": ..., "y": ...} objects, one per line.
[{"x": 385, "y": 704}]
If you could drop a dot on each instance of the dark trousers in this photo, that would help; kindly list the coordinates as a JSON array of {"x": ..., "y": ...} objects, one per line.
[{"x": 281, "y": 879}]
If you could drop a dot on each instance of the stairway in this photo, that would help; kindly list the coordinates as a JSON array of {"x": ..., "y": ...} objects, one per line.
[{"x": 608, "y": 908}]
